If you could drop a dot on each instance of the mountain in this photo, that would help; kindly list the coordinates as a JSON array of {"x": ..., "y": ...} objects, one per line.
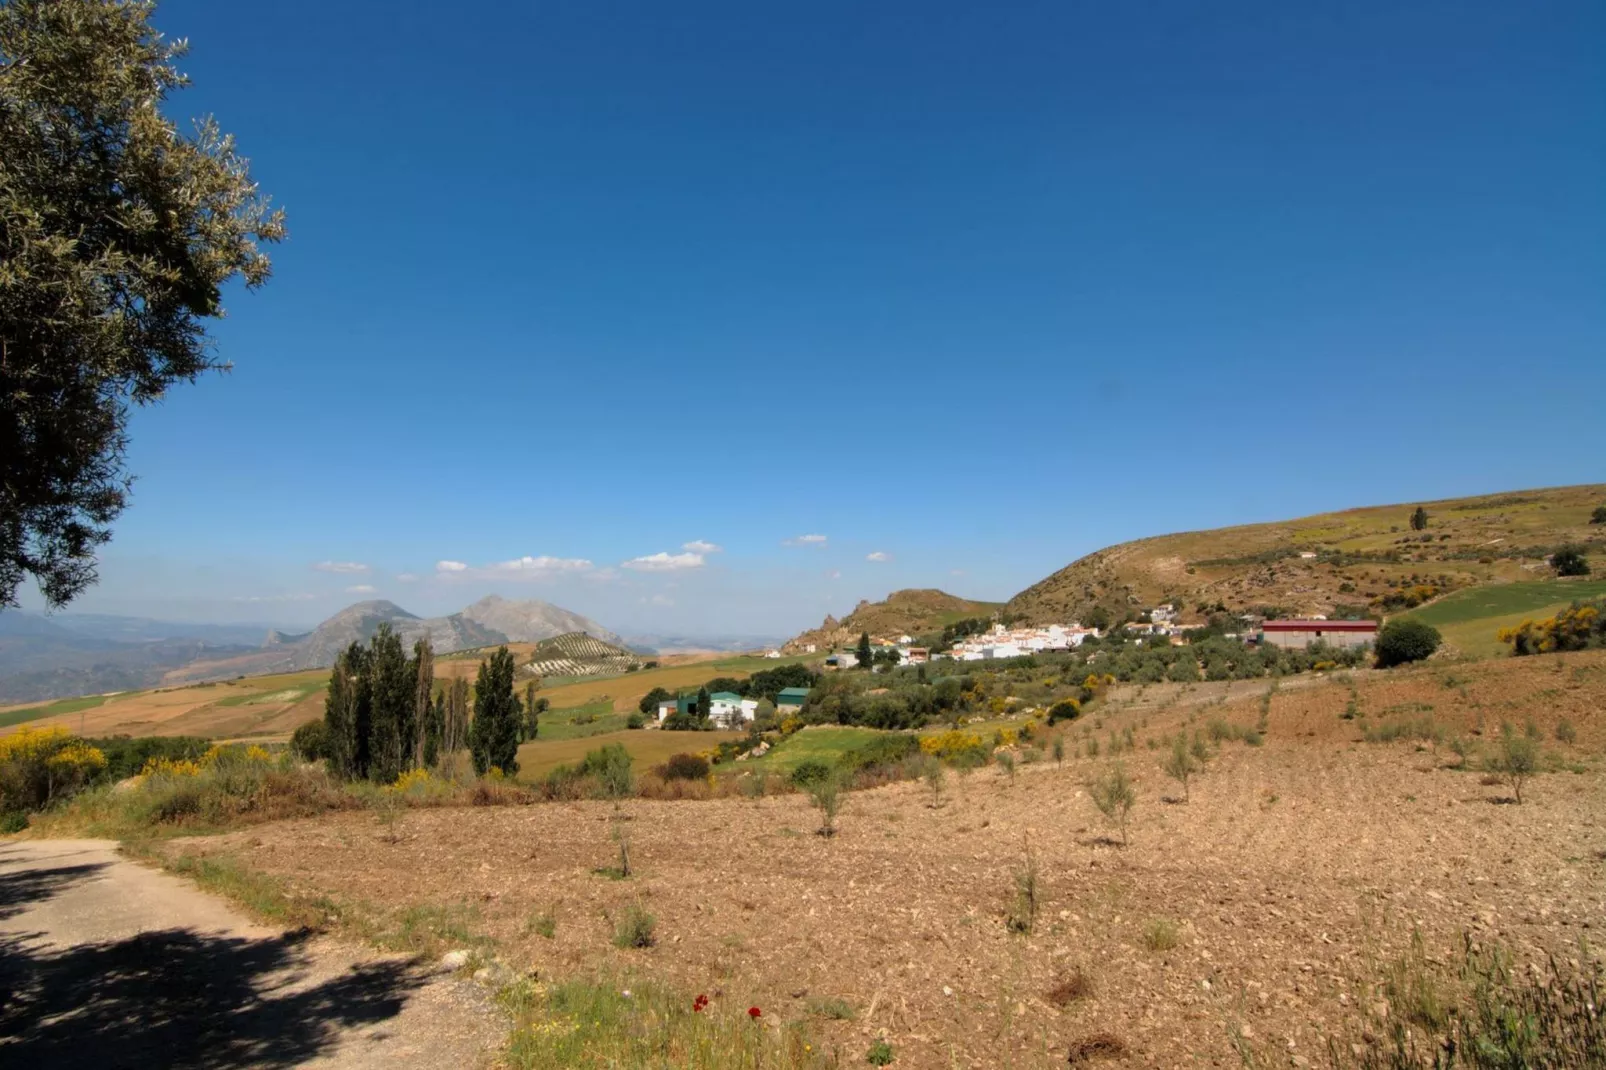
[
  {"x": 41, "y": 659},
  {"x": 488, "y": 622},
  {"x": 1358, "y": 559},
  {"x": 144, "y": 629},
  {"x": 532, "y": 620},
  {"x": 914, "y": 612}
]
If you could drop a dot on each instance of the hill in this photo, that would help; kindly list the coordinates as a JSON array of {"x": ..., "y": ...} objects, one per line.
[
  {"x": 914, "y": 611},
  {"x": 1357, "y": 559},
  {"x": 42, "y": 658},
  {"x": 579, "y": 654},
  {"x": 532, "y": 620}
]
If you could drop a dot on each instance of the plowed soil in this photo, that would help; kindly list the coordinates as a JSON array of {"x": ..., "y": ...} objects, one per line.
[{"x": 1293, "y": 873}]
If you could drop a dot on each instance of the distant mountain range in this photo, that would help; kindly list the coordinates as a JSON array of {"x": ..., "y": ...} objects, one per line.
[{"x": 78, "y": 654}]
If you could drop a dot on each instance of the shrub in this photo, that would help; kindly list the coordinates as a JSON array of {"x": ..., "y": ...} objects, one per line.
[
  {"x": 1516, "y": 760},
  {"x": 126, "y": 757},
  {"x": 811, "y": 771},
  {"x": 310, "y": 742},
  {"x": 1400, "y": 642},
  {"x": 1006, "y": 762},
  {"x": 635, "y": 720},
  {"x": 1179, "y": 765},
  {"x": 684, "y": 767},
  {"x": 635, "y": 928},
  {"x": 1059, "y": 750},
  {"x": 826, "y": 797},
  {"x": 1114, "y": 795},
  {"x": 39, "y": 765},
  {"x": 611, "y": 766},
  {"x": 1565, "y": 733},
  {"x": 1064, "y": 710},
  {"x": 956, "y": 747},
  {"x": 1570, "y": 561},
  {"x": 880, "y": 1054},
  {"x": 934, "y": 774},
  {"x": 1161, "y": 934},
  {"x": 1022, "y": 914},
  {"x": 544, "y": 924}
]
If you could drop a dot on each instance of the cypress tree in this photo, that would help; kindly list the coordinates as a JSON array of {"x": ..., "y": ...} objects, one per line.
[
  {"x": 704, "y": 703},
  {"x": 390, "y": 735},
  {"x": 866, "y": 655},
  {"x": 494, "y": 734},
  {"x": 423, "y": 685},
  {"x": 339, "y": 715},
  {"x": 434, "y": 730}
]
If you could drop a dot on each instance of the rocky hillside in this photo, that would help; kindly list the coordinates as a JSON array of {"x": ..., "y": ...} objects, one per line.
[
  {"x": 488, "y": 622},
  {"x": 532, "y": 620},
  {"x": 909, "y": 612},
  {"x": 1369, "y": 558}
]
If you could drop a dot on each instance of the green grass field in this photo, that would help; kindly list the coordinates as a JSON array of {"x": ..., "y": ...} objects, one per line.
[
  {"x": 647, "y": 747},
  {"x": 50, "y": 709},
  {"x": 825, "y": 744},
  {"x": 581, "y": 722},
  {"x": 1470, "y": 619}
]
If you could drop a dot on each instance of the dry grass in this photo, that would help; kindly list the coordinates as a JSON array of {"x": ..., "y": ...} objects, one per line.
[{"x": 1293, "y": 909}]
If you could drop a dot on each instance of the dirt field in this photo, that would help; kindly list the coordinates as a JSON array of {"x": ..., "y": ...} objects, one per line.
[{"x": 1296, "y": 870}]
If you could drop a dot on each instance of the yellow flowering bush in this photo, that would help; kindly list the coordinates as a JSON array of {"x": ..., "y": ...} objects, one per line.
[
  {"x": 1575, "y": 628},
  {"x": 790, "y": 724},
  {"x": 40, "y": 764},
  {"x": 954, "y": 745},
  {"x": 170, "y": 767}
]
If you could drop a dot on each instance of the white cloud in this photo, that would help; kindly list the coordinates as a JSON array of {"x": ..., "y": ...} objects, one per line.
[
  {"x": 450, "y": 566},
  {"x": 664, "y": 562},
  {"x": 300, "y": 597},
  {"x": 805, "y": 540},
  {"x": 834, "y": 574},
  {"x": 341, "y": 567},
  {"x": 658, "y": 600},
  {"x": 538, "y": 566},
  {"x": 878, "y": 555},
  {"x": 361, "y": 588},
  {"x": 602, "y": 575},
  {"x": 956, "y": 572},
  {"x": 699, "y": 546},
  {"x": 407, "y": 577}
]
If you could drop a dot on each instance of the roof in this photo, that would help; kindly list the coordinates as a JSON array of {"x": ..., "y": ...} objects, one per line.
[
  {"x": 725, "y": 696},
  {"x": 1319, "y": 625},
  {"x": 794, "y": 692}
]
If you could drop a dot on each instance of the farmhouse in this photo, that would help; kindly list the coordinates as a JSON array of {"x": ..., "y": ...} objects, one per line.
[
  {"x": 724, "y": 707},
  {"x": 729, "y": 708},
  {"x": 790, "y": 700},
  {"x": 1298, "y": 634}
]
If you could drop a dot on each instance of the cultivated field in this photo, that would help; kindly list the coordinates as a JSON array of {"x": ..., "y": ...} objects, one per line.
[
  {"x": 266, "y": 706},
  {"x": 1471, "y": 619},
  {"x": 1250, "y": 925}
]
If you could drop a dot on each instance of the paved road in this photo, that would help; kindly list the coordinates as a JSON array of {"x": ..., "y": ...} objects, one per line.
[{"x": 105, "y": 963}]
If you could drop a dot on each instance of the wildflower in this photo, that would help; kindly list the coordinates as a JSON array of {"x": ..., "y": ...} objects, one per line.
[
  {"x": 699, "y": 1003},
  {"x": 753, "y": 1013}
]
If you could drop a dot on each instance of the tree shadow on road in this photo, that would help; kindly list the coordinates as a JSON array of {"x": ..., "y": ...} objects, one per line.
[
  {"x": 21, "y": 889},
  {"x": 177, "y": 998}
]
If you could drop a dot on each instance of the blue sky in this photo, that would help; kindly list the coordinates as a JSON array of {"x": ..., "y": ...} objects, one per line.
[{"x": 975, "y": 289}]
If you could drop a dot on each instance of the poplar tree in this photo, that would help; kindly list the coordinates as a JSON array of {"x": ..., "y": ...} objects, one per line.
[
  {"x": 493, "y": 736},
  {"x": 531, "y": 713}
]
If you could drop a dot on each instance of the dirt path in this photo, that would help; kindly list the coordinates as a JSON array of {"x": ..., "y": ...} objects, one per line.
[{"x": 107, "y": 963}]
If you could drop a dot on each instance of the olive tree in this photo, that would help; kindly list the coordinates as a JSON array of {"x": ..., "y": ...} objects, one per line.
[{"x": 118, "y": 234}]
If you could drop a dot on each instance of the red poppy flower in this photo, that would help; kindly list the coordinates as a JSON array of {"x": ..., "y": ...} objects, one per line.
[
  {"x": 699, "y": 1003},
  {"x": 753, "y": 1012}
]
